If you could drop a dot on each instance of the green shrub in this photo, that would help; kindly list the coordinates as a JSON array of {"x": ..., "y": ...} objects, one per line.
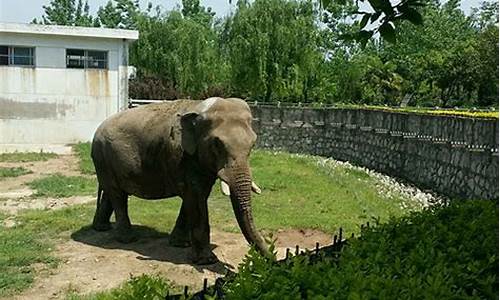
[
  {"x": 441, "y": 253},
  {"x": 140, "y": 287}
]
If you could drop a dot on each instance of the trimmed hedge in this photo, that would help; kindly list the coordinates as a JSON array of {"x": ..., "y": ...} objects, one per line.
[{"x": 441, "y": 253}]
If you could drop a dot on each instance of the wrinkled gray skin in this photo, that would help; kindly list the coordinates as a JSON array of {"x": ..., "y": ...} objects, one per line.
[{"x": 177, "y": 148}]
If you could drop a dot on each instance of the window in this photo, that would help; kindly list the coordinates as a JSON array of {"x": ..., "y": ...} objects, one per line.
[
  {"x": 86, "y": 59},
  {"x": 17, "y": 56}
]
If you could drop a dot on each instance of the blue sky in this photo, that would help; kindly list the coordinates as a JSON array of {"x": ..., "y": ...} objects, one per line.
[{"x": 23, "y": 11}]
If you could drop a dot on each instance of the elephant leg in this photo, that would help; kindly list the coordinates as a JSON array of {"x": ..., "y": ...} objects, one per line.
[
  {"x": 119, "y": 201},
  {"x": 103, "y": 212},
  {"x": 180, "y": 236},
  {"x": 197, "y": 209}
]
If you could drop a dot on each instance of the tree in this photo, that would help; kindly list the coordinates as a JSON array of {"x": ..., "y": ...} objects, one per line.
[
  {"x": 64, "y": 12},
  {"x": 272, "y": 50},
  {"x": 181, "y": 51},
  {"x": 119, "y": 14},
  {"x": 193, "y": 10}
]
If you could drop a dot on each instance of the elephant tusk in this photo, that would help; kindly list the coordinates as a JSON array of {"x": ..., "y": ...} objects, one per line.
[
  {"x": 256, "y": 189},
  {"x": 225, "y": 188}
]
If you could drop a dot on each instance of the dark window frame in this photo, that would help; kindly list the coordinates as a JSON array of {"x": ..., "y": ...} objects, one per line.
[
  {"x": 12, "y": 57},
  {"x": 87, "y": 61}
]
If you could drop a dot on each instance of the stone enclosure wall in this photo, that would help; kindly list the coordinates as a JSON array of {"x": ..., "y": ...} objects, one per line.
[{"x": 454, "y": 156}]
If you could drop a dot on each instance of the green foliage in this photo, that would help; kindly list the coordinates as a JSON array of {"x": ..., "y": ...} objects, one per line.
[
  {"x": 448, "y": 61},
  {"x": 85, "y": 163},
  {"x": 295, "y": 51},
  {"x": 441, "y": 253},
  {"x": 58, "y": 185},
  {"x": 382, "y": 17},
  {"x": 26, "y": 156},
  {"x": 140, "y": 287},
  {"x": 64, "y": 12},
  {"x": 181, "y": 50},
  {"x": 13, "y": 172},
  {"x": 272, "y": 50},
  {"x": 119, "y": 14}
]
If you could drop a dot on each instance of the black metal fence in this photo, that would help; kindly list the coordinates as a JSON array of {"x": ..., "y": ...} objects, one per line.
[{"x": 314, "y": 255}]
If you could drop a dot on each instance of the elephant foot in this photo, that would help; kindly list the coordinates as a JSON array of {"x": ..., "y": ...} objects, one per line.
[
  {"x": 101, "y": 226},
  {"x": 178, "y": 241},
  {"x": 126, "y": 236},
  {"x": 204, "y": 257}
]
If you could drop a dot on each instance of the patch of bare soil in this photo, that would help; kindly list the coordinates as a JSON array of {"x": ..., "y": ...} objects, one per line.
[
  {"x": 13, "y": 205},
  {"x": 16, "y": 196},
  {"x": 93, "y": 262},
  {"x": 63, "y": 164}
]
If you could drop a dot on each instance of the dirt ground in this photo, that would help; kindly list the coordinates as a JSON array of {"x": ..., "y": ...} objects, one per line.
[
  {"x": 16, "y": 196},
  {"x": 92, "y": 262}
]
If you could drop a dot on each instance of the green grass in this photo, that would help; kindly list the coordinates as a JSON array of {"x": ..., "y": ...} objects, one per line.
[
  {"x": 296, "y": 193},
  {"x": 13, "y": 172},
  {"x": 58, "y": 185},
  {"x": 86, "y": 165},
  {"x": 19, "y": 249},
  {"x": 26, "y": 156}
]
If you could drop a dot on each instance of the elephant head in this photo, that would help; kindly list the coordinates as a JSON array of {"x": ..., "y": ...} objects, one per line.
[{"x": 218, "y": 132}]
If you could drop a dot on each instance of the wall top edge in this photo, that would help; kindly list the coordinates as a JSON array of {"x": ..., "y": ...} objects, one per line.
[{"x": 58, "y": 30}]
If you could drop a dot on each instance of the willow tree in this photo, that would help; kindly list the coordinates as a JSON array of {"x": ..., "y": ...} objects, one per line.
[
  {"x": 180, "y": 51},
  {"x": 272, "y": 50}
]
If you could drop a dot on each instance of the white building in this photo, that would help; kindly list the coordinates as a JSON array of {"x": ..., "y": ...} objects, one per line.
[{"x": 58, "y": 83}]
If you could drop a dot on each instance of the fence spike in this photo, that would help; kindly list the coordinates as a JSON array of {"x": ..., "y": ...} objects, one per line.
[
  {"x": 334, "y": 240},
  {"x": 287, "y": 253},
  {"x": 340, "y": 234},
  {"x": 296, "y": 249},
  {"x": 317, "y": 247},
  {"x": 185, "y": 291},
  {"x": 205, "y": 285}
]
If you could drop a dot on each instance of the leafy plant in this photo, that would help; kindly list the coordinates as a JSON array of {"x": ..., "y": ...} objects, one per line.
[
  {"x": 442, "y": 253},
  {"x": 150, "y": 287}
]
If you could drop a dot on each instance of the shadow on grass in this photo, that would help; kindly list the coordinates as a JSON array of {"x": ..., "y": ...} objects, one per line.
[{"x": 151, "y": 245}]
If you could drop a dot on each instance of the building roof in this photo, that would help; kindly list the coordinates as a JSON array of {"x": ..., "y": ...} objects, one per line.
[{"x": 95, "y": 32}]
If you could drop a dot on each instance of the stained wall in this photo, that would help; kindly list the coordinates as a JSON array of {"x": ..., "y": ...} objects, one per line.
[
  {"x": 454, "y": 156},
  {"x": 49, "y": 105}
]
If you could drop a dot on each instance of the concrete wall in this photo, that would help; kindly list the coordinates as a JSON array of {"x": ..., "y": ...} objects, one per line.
[
  {"x": 51, "y": 105},
  {"x": 454, "y": 156}
]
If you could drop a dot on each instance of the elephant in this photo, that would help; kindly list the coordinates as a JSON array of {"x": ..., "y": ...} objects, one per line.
[{"x": 177, "y": 148}]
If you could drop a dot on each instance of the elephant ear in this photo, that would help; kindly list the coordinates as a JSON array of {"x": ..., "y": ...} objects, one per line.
[{"x": 188, "y": 139}]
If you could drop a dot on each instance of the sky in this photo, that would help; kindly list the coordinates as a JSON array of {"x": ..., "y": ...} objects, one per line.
[{"x": 23, "y": 11}]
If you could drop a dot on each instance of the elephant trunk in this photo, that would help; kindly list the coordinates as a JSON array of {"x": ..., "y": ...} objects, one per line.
[{"x": 240, "y": 185}]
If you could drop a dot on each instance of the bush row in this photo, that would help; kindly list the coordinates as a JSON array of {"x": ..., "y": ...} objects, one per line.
[{"x": 442, "y": 253}]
